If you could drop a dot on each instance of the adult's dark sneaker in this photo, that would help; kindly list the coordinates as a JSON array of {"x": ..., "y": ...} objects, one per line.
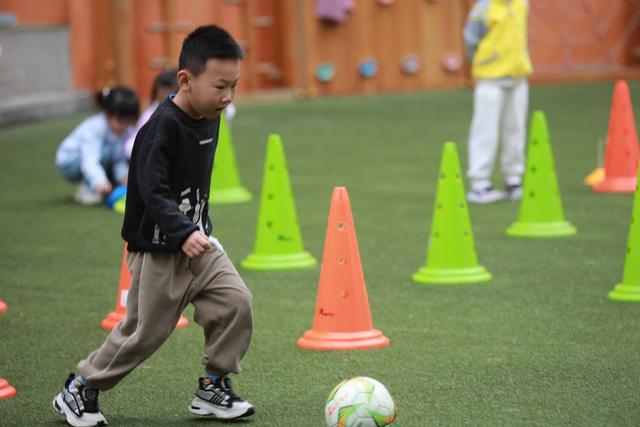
[
  {"x": 217, "y": 399},
  {"x": 514, "y": 191},
  {"x": 79, "y": 404}
]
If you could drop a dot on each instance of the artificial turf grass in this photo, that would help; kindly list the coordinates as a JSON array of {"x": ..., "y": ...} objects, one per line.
[{"x": 539, "y": 344}]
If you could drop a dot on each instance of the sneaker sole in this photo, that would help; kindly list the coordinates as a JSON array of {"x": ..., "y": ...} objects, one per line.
[
  {"x": 486, "y": 200},
  {"x": 205, "y": 409},
  {"x": 61, "y": 408}
]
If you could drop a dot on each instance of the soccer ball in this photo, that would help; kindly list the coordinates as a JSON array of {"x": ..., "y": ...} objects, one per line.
[{"x": 359, "y": 402}]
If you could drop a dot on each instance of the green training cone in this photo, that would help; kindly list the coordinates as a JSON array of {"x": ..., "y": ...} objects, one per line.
[
  {"x": 278, "y": 244},
  {"x": 451, "y": 256},
  {"x": 629, "y": 289},
  {"x": 225, "y": 182},
  {"x": 541, "y": 213}
]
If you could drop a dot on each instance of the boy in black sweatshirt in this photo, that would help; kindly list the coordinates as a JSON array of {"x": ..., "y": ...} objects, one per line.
[{"x": 172, "y": 256}]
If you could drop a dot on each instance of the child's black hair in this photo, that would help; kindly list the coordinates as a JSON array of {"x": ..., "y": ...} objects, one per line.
[
  {"x": 204, "y": 43},
  {"x": 167, "y": 80},
  {"x": 119, "y": 101}
]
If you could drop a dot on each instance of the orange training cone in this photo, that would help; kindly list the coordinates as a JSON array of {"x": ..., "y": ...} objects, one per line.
[
  {"x": 621, "y": 154},
  {"x": 3, "y": 307},
  {"x": 342, "y": 320},
  {"x": 6, "y": 390},
  {"x": 116, "y": 316}
]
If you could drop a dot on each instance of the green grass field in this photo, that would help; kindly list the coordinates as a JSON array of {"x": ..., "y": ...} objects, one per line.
[{"x": 538, "y": 345}]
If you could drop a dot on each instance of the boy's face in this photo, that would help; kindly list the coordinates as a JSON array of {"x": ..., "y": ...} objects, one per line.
[{"x": 211, "y": 91}]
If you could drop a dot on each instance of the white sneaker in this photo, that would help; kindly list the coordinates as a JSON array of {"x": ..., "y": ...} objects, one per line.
[
  {"x": 86, "y": 197},
  {"x": 79, "y": 404},
  {"x": 486, "y": 195},
  {"x": 217, "y": 399}
]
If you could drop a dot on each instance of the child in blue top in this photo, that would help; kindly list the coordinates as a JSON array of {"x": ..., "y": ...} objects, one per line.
[{"x": 93, "y": 154}]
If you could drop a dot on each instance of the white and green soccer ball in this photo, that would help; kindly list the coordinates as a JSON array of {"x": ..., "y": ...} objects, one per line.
[{"x": 359, "y": 402}]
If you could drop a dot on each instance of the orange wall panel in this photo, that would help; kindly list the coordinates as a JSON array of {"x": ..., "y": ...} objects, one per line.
[
  {"x": 130, "y": 41},
  {"x": 576, "y": 36},
  {"x": 387, "y": 34}
]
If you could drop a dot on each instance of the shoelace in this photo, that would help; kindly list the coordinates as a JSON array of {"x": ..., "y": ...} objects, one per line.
[
  {"x": 222, "y": 391},
  {"x": 225, "y": 385},
  {"x": 85, "y": 398}
]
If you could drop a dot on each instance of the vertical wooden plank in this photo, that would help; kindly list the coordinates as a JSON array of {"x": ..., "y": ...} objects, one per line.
[
  {"x": 377, "y": 22},
  {"x": 431, "y": 40},
  {"x": 124, "y": 46},
  {"x": 105, "y": 26},
  {"x": 406, "y": 30},
  {"x": 308, "y": 49},
  {"x": 314, "y": 56},
  {"x": 229, "y": 15},
  {"x": 395, "y": 29},
  {"x": 267, "y": 49},
  {"x": 81, "y": 44},
  {"x": 465, "y": 75},
  {"x": 455, "y": 44},
  {"x": 150, "y": 45},
  {"x": 440, "y": 38},
  {"x": 250, "y": 79},
  {"x": 286, "y": 13},
  {"x": 171, "y": 17},
  {"x": 297, "y": 49},
  {"x": 360, "y": 30}
]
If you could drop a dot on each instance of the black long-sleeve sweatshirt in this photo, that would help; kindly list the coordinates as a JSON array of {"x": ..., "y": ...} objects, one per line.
[{"x": 169, "y": 180}]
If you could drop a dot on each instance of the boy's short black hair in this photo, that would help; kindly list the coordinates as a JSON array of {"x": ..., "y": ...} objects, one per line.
[{"x": 204, "y": 43}]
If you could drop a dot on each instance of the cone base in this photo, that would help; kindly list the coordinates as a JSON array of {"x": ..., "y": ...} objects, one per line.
[
  {"x": 278, "y": 262},
  {"x": 6, "y": 390},
  {"x": 113, "y": 318},
  {"x": 451, "y": 276},
  {"x": 541, "y": 229},
  {"x": 312, "y": 340},
  {"x": 628, "y": 293},
  {"x": 616, "y": 185},
  {"x": 3, "y": 307},
  {"x": 231, "y": 195}
]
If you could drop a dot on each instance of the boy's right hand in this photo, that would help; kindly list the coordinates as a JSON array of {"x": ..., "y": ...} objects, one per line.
[{"x": 196, "y": 244}]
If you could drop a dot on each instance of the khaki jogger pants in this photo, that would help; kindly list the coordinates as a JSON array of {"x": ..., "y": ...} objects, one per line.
[{"x": 162, "y": 284}]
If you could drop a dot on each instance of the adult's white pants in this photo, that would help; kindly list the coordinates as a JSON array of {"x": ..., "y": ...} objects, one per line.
[{"x": 499, "y": 118}]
